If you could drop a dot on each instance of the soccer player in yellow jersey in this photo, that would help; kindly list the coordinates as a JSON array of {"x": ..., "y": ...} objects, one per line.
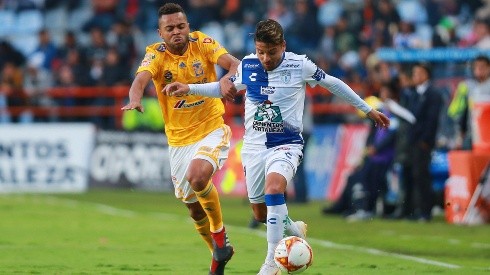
[{"x": 197, "y": 136}]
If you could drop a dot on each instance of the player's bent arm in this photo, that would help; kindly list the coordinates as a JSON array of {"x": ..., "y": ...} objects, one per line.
[
  {"x": 343, "y": 90},
  {"x": 229, "y": 63}
]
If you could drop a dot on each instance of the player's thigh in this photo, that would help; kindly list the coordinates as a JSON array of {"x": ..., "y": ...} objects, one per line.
[
  {"x": 180, "y": 158},
  {"x": 215, "y": 147},
  {"x": 253, "y": 166},
  {"x": 284, "y": 160}
]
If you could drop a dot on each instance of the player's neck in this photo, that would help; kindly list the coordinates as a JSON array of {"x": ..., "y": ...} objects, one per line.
[{"x": 178, "y": 51}]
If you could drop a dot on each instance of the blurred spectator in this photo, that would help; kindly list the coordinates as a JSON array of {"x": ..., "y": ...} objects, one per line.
[
  {"x": 9, "y": 54},
  {"x": 104, "y": 15},
  {"x": 326, "y": 46},
  {"x": 70, "y": 42},
  {"x": 201, "y": 12},
  {"x": 121, "y": 38},
  {"x": 445, "y": 33},
  {"x": 96, "y": 52},
  {"x": 345, "y": 40},
  {"x": 460, "y": 107},
  {"x": 387, "y": 15},
  {"x": 405, "y": 37},
  {"x": 114, "y": 73},
  {"x": 47, "y": 49},
  {"x": 37, "y": 81},
  {"x": 380, "y": 151},
  {"x": 11, "y": 91},
  {"x": 302, "y": 36},
  {"x": 426, "y": 103},
  {"x": 479, "y": 37},
  {"x": 280, "y": 12}
]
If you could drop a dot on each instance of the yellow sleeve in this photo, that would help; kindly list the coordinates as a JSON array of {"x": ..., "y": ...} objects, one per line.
[
  {"x": 211, "y": 47},
  {"x": 149, "y": 62}
]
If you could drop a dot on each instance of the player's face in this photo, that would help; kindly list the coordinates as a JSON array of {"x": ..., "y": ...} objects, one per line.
[
  {"x": 270, "y": 55},
  {"x": 174, "y": 30}
]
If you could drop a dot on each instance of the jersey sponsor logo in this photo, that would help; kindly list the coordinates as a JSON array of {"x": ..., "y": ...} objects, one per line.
[
  {"x": 161, "y": 47},
  {"x": 282, "y": 148},
  {"x": 253, "y": 77},
  {"x": 285, "y": 76},
  {"x": 198, "y": 69},
  {"x": 207, "y": 40},
  {"x": 267, "y": 90},
  {"x": 268, "y": 118},
  {"x": 291, "y": 65},
  {"x": 147, "y": 59},
  {"x": 319, "y": 74},
  {"x": 168, "y": 76},
  {"x": 182, "y": 104},
  {"x": 251, "y": 66}
]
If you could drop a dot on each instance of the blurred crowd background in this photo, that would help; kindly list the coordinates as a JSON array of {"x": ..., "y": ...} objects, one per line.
[
  {"x": 87, "y": 43},
  {"x": 72, "y": 54}
]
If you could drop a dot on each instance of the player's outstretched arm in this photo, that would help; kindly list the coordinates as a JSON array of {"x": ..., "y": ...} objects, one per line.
[{"x": 136, "y": 92}]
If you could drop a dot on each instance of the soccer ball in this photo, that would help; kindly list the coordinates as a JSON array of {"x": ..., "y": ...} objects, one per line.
[{"x": 293, "y": 255}]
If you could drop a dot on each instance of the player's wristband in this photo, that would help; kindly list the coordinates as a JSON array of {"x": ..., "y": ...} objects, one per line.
[{"x": 207, "y": 89}]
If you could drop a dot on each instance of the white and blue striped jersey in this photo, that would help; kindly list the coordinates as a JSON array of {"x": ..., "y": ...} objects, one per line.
[{"x": 275, "y": 99}]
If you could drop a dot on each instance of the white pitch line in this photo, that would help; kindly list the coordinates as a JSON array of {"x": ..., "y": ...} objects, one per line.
[{"x": 114, "y": 211}]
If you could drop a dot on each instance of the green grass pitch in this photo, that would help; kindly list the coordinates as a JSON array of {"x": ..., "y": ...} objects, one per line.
[{"x": 132, "y": 232}]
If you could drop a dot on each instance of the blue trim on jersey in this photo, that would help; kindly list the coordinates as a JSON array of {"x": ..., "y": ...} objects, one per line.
[
  {"x": 274, "y": 199},
  {"x": 255, "y": 77},
  {"x": 288, "y": 137}
]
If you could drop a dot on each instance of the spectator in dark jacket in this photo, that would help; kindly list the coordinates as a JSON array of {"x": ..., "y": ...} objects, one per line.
[{"x": 426, "y": 106}]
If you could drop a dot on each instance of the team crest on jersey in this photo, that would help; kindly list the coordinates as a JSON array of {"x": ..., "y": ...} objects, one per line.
[
  {"x": 286, "y": 76},
  {"x": 168, "y": 76},
  {"x": 161, "y": 47},
  {"x": 147, "y": 59},
  {"x": 319, "y": 74},
  {"x": 268, "y": 118},
  {"x": 198, "y": 69}
]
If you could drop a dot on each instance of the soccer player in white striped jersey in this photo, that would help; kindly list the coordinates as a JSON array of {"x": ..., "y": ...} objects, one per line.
[{"x": 275, "y": 82}]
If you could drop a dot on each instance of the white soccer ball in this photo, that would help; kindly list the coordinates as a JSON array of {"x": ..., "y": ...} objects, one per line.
[{"x": 293, "y": 255}]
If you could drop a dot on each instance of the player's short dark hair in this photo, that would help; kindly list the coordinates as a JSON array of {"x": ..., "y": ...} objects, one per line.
[
  {"x": 269, "y": 31},
  {"x": 170, "y": 8},
  {"x": 482, "y": 58}
]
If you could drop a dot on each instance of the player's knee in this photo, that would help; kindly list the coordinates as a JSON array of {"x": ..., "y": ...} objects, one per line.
[
  {"x": 274, "y": 189},
  {"x": 197, "y": 181}
]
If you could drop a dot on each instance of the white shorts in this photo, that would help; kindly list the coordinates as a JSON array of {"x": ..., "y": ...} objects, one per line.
[
  {"x": 257, "y": 164},
  {"x": 213, "y": 148}
]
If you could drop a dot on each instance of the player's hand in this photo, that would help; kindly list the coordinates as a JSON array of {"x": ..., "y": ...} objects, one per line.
[
  {"x": 134, "y": 106},
  {"x": 380, "y": 120},
  {"x": 228, "y": 90},
  {"x": 176, "y": 89}
]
